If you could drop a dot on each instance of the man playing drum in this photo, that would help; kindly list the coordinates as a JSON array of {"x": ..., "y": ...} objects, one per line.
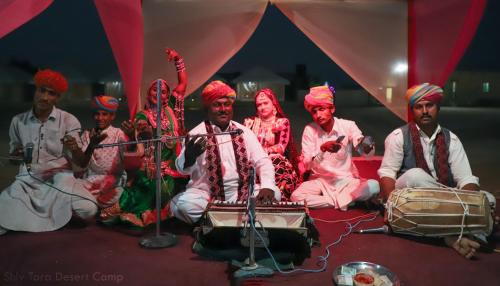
[{"x": 424, "y": 154}]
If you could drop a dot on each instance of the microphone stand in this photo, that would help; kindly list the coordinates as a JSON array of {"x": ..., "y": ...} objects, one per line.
[
  {"x": 159, "y": 240},
  {"x": 252, "y": 269}
]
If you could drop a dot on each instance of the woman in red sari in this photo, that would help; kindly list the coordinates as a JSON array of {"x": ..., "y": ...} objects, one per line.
[{"x": 272, "y": 128}]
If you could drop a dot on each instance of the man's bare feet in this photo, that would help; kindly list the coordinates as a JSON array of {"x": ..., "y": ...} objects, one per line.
[{"x": 465, "y": 246}]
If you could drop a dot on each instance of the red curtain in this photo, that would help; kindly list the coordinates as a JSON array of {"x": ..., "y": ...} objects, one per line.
[
  {"x": 14, "y": 13},
  {"x": 439, "y": 33},
  {"x": 123, "y": 24}
]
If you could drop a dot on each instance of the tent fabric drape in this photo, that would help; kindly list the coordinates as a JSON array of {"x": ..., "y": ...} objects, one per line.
[
  {"x": 370, "y": 40},
  {"x": 440, "y": 33},
  {"x": 14, "y": 13},
  {"x": 367, "y": 39},
  {"x": 206, "y": 33},
  {"x": 123, "y": 24}
]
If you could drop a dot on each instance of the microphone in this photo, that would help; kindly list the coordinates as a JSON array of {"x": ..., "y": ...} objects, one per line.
[
  {"x": 238, "y": 131},
  {"x": 28, "y": 155},
  {"x": 383, "y": 229}
]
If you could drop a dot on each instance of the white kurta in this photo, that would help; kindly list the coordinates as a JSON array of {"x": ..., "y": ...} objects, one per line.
[
  {"x": 457, "y": 159},
  {"x": 28, "y": 204},
  {"x": 189, "y": 205},
  {"x": 105, "y": 173},
  {"x": 334, "y": 180}
]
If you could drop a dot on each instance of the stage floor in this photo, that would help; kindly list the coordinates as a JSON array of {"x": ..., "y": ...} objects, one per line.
[{"x": 96, "y": 255}]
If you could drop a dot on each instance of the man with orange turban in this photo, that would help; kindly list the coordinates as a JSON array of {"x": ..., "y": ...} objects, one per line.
[
  {"x": 327, "y": 146},
  {"x": 102, "y": 168},
  {"x": 219, "y": 166},
  {"x": 33, "y": 202},
  {"x": 424, "y": 154}
]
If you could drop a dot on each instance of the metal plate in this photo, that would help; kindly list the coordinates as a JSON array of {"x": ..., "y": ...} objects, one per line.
[{"x": 366, "y": 266}]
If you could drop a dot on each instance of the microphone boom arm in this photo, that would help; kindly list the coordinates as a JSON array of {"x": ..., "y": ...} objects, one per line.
[{"x": 165, "y": 138}]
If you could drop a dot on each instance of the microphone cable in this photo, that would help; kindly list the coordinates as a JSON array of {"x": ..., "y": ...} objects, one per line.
[
  {"x": 321, "y": 259},
  {"x": 59, "y": 190}
]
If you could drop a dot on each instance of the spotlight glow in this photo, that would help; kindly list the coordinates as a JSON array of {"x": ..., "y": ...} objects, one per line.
[{"x": 400, "y": 67}]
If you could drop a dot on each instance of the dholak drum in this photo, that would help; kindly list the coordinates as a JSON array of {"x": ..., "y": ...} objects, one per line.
[{"x": 436, "y": 212}]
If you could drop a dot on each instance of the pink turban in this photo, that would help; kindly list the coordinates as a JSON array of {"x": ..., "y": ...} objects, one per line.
[
  {"x": 424, "y": 91},
  {"x": 105, "y": 102},
  {"x": 215, "y": 90},
  {"x": 318, "y": 96}
]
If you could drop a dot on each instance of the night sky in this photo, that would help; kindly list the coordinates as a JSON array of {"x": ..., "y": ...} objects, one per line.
[{"x": 71, "y": 32}]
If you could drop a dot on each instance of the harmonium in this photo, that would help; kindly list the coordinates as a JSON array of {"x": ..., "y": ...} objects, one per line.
[{"x": 280, "y": 226}]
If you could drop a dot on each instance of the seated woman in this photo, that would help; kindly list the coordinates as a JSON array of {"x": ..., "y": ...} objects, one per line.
[
  {"x": 272, "y": 128},
  {"x": 137, "y": 201}
]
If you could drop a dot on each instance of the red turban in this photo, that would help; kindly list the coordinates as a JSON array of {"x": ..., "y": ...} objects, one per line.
[
  {"x": 51, "y": 79},
  {"x": 215, "y": 90}
]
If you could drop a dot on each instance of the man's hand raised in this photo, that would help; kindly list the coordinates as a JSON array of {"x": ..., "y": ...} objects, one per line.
[{"x": 195, "y": 146}]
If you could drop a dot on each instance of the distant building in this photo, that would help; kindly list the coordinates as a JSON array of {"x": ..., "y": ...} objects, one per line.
[
  {"x": 478, "y": 88},
  {"x": 15, "y": 85},
  {"x": 249, "y": 82}
]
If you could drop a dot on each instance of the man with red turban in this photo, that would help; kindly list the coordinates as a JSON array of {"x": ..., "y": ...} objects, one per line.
[
  {"x": 424, "y": 154},
  {"x": 219, "y": 165},
  {"x": 327, "y": 146},
  {"x": 33, "y": 203}
]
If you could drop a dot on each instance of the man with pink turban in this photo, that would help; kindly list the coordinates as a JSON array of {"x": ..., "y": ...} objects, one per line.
[
  {"x": 424, "y": 154},
  {"x": 219, "y": 166},
  {"x": 102, "y": 171},
  {"x": 327, "y": 145},
  {"x": 33, "y": 202}
]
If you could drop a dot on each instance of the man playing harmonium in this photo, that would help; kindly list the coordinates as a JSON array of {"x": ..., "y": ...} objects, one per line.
[
  {"x": 424, "y": 154},
  {"x": 219, "y": 165}
]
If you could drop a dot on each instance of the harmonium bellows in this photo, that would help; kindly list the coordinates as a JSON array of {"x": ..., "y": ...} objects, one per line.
[
  {"x": 281, "y": 215},
  {"x": 283, "y": 227}
]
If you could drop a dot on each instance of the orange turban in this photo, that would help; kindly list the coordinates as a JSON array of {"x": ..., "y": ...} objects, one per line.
[
  {"x": 105, "y": 102},
  {"x": 51, "y": 79},
  {"x": 215, "y": 90},
  {"x": 318, "y": 96}
]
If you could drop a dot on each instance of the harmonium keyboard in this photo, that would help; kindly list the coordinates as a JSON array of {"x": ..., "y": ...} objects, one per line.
[{"x": 283, "y": 226}]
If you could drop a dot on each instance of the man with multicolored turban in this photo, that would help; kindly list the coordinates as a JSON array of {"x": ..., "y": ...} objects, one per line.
[
  {"x": 32, "y": 203},
  {"x": 327, "y": 145},
  {"x": 102, "y": 172},
  {"x": 219, "y": 165},
  {"x": 424, "y": 154}
]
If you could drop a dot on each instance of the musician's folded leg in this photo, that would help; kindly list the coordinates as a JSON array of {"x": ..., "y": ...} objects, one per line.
[
  {"x": 312, "y": 193},
  {"x": 493, "y": 204},
  {"x": 3, "y": 230},
  {"x": 368, "y": 189},
  {"x": 415, "y": 178},
  {"x": 189, "y": 205}
]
